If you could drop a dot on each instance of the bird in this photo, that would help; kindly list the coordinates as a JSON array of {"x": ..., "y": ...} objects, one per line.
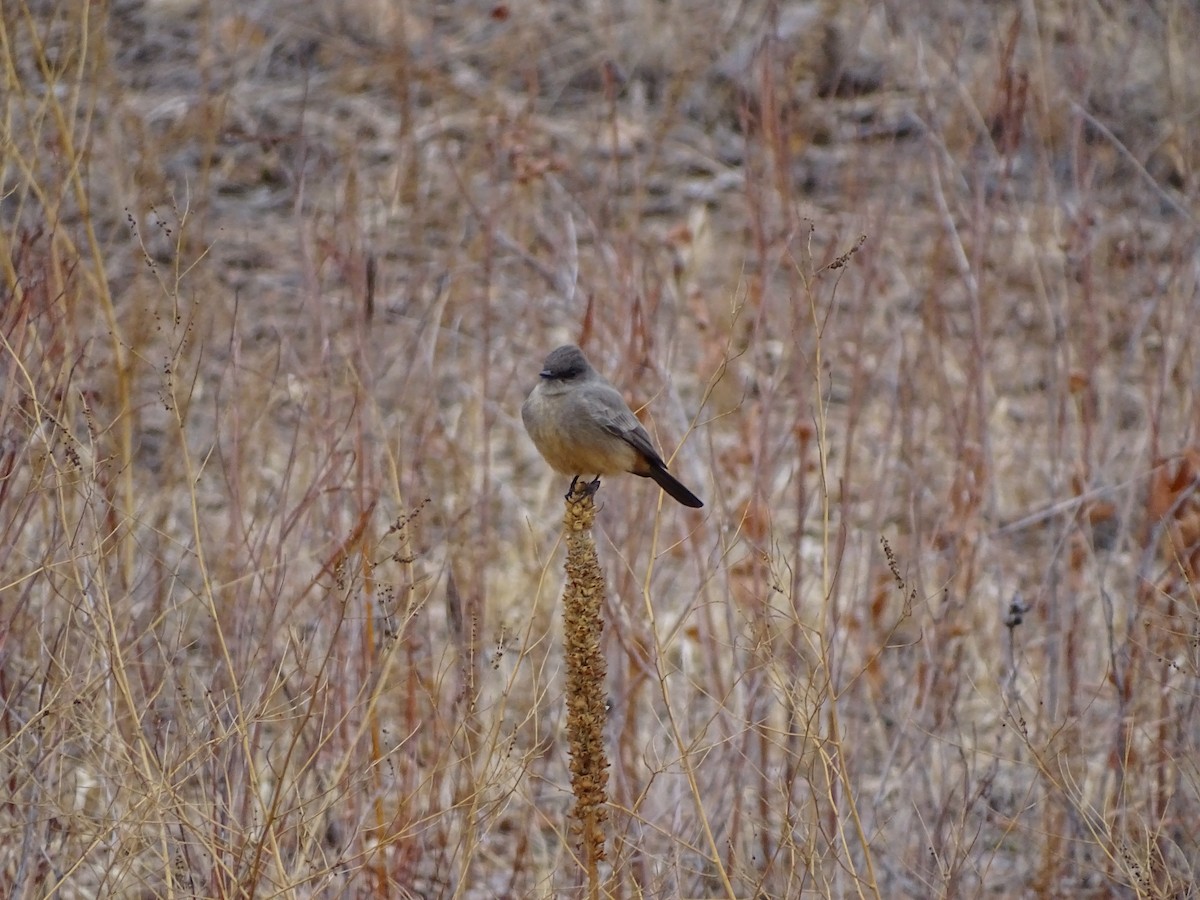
[{"x": 581, "y": 425}]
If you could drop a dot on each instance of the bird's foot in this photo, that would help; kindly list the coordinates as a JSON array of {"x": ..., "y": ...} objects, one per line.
[{"x": 578, "y": 491}]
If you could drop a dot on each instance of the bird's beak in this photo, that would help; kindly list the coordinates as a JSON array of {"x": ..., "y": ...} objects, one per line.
[{"x": 546, "y": 373}]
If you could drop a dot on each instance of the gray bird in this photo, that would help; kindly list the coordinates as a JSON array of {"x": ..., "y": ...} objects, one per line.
[{"x": 582, "y": 426}]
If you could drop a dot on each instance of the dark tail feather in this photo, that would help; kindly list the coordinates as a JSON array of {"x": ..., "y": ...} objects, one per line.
[{"x": 671, "y": 485}]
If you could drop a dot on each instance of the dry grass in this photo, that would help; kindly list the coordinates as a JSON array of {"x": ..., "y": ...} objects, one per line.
[{"x": 278, "y": 564}]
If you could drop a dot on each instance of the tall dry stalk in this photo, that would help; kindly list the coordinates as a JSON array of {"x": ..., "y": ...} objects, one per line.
[{"x": 586, "y": 701}]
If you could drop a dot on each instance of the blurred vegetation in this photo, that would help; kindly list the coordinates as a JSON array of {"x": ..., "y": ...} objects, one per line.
[{"x": 908, "y": 291}]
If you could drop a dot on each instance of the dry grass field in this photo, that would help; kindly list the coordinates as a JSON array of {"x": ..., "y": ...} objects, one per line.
[{"x": 908, "y": 292}]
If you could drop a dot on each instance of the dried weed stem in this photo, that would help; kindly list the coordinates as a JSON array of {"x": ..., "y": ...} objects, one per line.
[{"x": 586, "y": 670}]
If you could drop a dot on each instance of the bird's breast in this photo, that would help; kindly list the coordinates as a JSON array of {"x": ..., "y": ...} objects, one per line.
[{"x": 571, "y": 441}]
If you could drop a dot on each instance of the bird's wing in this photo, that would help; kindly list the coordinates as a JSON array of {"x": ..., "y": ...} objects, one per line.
[{"x": 609, "y": 410}]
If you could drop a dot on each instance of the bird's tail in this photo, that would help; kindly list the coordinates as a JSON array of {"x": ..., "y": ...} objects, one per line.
[{"x": 672, "y": 486}]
